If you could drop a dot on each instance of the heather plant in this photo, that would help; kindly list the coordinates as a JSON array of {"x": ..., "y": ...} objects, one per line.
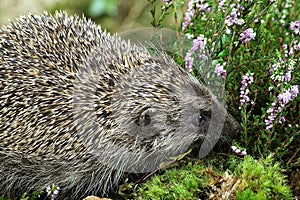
[{"x": 254, "y": 46}]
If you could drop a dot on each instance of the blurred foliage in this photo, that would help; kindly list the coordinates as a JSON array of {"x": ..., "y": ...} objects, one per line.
[{"x": 113, "y": 15}]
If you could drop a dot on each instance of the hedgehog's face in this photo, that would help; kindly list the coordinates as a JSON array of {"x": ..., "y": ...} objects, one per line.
[{"x": 162, "y": 109}]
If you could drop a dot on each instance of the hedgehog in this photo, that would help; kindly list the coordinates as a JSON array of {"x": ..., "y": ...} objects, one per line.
[{"x": 81, "y": 108}]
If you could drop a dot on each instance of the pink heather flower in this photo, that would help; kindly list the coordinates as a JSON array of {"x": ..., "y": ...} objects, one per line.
[
  {"x": 198, "y": 46},
  {"x": 288, "y": 52},
  {"x": 189, "y": 14},
  {"x": 247, "y": 35},
  {"x": 288, "y": 95},
  {"x": 243, "y": 153},
  {"x": 294, "y": 91},
  {"x": 221, "y": 4},
  {"x": 238, "y": 151},
  {"x": 277, "y": 106},
  {"x": 201, "y": 7},
  {"x": 291, "y": 51},
  {"x": 48, "y": 190},
  {"x": 189, "y": 61},
  {"x": 284, "y": 98},
  {"x": 282, "y": 69},
  {"x": 287, "y": 77},
  {"x": 52, "y": 191},
  {"x": 282, "y": 120},
  {"x": 284, "y": 46},
  {"x": 220, "y": 71},
  {"x": 204, "y": 7},
  {"x": 227, "y": 31},
  {"x": 234, "y": 148},
  {"x": 209, "y": 9},
  {"x": 295, "y": 26},
  {"x": 199, "y": 43},
  {"x": 234, "y": 16},
  {"x": 246, "y": 81},
  {"x": 240, "y": 7},
  {"x": 297, "y": 47}
]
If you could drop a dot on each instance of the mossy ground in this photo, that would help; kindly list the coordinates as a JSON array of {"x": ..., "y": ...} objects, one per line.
[{"x": 244, "y": 179}]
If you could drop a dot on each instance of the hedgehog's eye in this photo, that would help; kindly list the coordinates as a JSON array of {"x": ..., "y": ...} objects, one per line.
[
  {"x": 199, "y": 120},
  {"x": 203, "y": 116},
  {"x": 144, "y": 118}
]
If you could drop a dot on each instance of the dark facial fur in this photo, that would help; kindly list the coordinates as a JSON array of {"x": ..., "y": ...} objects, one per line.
[{"x": 79, "y": 107}]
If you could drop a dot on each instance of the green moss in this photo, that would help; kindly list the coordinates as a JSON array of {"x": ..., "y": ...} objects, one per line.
[
  {"x": 261, "y": 179},
  {"x": 184, "y": 183},
  {"x": 244, "y": 179}
]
